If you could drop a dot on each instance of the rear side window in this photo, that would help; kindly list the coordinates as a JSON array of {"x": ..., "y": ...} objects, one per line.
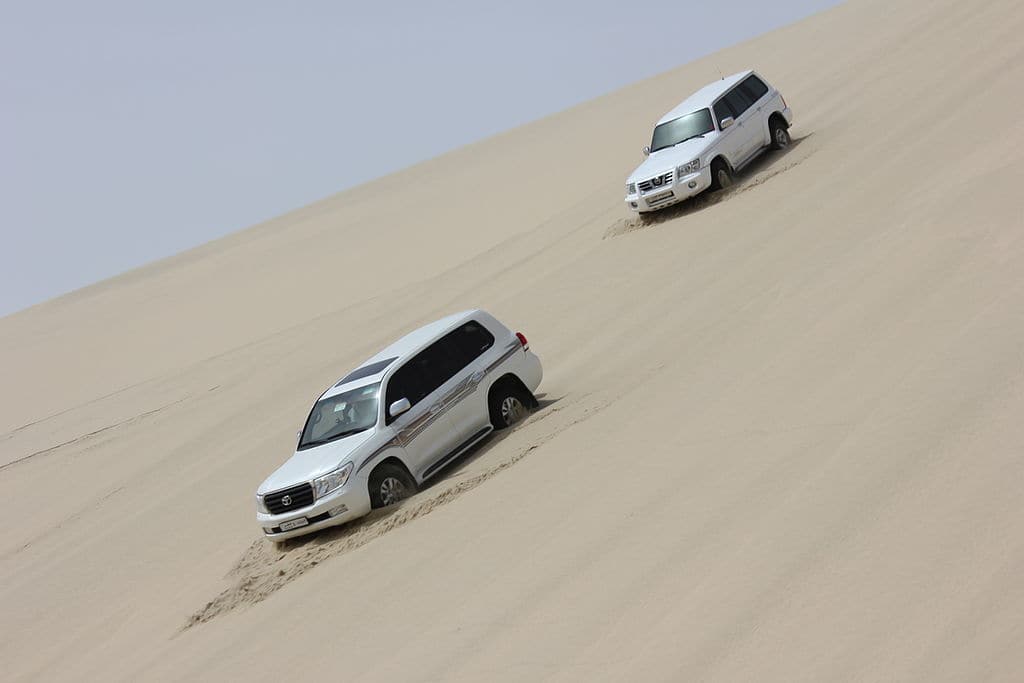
[
  {"x": 469, "y": 342},
  {"x": 437, "y": 365},
  {"x": 425, "y": 372},
  {"x": 739, "y": 101},
  {"x": 754, "y": 88}
]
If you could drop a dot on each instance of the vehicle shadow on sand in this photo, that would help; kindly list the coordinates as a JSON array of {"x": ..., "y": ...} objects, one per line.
[{"x": 756, "y": 173}]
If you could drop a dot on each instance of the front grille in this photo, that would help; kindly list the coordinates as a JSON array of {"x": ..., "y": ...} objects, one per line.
[
  {"x": 656, "y": 183},
  {"x": 297, "y": 496}
]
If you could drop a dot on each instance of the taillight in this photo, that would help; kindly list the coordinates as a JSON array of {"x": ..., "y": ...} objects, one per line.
[{"x": 523, "y": 341}]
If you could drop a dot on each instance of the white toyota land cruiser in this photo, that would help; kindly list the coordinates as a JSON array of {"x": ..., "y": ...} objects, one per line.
[
  {"x": 712, "y": 134},
  {"x": 385, "y": 428}
]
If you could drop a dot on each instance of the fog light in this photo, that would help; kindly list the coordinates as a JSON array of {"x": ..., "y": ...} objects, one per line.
[
  {"x": 334, "y": 512},
  {"x": 268, "y": 530},
  {"x": 632, "y": 204},
  {"x": 692, "y": 184}
]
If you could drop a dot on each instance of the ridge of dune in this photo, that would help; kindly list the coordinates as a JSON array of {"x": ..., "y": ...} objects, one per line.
[{"x": 779, "y": 436}]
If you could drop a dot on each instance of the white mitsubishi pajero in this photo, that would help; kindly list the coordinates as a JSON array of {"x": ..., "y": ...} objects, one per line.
[
  {"x": 385, "y": 428},
  {"x": 712, "y": 134}
]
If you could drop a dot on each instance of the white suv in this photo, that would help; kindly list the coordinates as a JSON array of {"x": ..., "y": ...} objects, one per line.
[
  {"x": 385, "y": 428},
  {"x": 712, "y": 134}
]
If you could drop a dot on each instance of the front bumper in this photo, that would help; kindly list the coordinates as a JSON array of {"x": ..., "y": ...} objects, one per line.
[
  {"x": 349, "y": 502},
  {"x": 681, "y": 189}
]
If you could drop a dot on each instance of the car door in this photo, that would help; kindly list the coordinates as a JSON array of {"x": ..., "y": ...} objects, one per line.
[
  {"x": 749, "y": 131},
  {"x": 425, "y": 430},
  {"x": 757, "y": 92},
  {"x": 731, "y": 138},
  {"x": 469, "y": 344}
]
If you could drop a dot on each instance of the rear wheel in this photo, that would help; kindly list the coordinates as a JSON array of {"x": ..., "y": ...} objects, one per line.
[
  {"x": 509, "y": 404},
  {"x": 721, "y": 176},
  {"x": 390, "y": 484},
  {"x": 780, "y": 134}
]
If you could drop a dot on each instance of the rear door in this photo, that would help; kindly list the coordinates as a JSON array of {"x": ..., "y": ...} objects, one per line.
[
  {"x": 425, "y": 431},
  {"x": 469, "y": 345},
  {"x": 758, "y": 93},
  {"x": 749, "y": 131}
]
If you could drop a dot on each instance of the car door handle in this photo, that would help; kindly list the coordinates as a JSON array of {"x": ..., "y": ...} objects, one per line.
[
  {"x": 436, "y": 408},
  {"x": 476, "y": 377}
]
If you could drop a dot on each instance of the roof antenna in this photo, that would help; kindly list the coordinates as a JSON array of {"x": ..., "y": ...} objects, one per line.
[{"x": 719, "y": 69}]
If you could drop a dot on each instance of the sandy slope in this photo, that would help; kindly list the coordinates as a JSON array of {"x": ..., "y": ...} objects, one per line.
[{"x": 781, "y": 437}]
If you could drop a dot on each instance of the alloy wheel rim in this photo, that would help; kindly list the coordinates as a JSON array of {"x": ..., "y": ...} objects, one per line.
[
  {"x": 511, "y": 409},
  {"x": 392, "y": 490},
  {"x": 781, "y": 139},
  {"x": 724, "y": 179}
]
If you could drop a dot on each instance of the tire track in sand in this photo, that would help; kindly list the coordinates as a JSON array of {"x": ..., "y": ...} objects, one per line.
[{"x": 263, "y": 569}]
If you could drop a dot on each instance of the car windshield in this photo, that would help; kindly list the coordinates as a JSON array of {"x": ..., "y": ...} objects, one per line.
[
  {"x": 341, "y": 415},
  {"x": 683, "y": 128}
]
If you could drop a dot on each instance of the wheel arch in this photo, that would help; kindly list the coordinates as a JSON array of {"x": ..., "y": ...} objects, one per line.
[
  {"x": 389, "y": 460},
  {"x": 510, "y": 378},
  {"x": 777, "y": 116},
  {"x": 721, "y": 157}
]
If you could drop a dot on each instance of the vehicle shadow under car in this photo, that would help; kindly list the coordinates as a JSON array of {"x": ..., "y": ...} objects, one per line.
[{"x": 451, "y": 473}]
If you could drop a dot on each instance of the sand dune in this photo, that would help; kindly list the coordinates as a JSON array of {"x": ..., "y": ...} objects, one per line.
[{"x": 780, "y": 432}]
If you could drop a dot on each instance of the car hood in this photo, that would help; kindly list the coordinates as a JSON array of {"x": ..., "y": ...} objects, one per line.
[
  {"x": 667, "y": 159},
  {"x": 310, "y": 463}
]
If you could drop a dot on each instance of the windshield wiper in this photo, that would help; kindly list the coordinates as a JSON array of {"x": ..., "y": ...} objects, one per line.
[
  {"x": 332, "y": 437},
  {"x": 698, "y": 135}
]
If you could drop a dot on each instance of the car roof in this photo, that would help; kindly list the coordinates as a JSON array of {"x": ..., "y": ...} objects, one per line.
[
  {"x": 705, "y": 96},
  {"x": 405, "y": 347}
]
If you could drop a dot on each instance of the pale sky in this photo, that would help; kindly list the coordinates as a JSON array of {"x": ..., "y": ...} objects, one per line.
[{"x": 130, "y": 131}]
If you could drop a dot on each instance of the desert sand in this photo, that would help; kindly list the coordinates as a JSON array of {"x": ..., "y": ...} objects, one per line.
[{"x": 781, "y": 434}]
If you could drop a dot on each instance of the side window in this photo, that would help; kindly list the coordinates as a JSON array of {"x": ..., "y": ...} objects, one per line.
[
  {"x": 436, "y": 365},
  {"x": 722, "y": 110},
  {"x": 754, "y": 88},
  {"x": 738, "y": 101},
  {"x": 469, "y": 342},
  {"x": 407, "y": 382}
]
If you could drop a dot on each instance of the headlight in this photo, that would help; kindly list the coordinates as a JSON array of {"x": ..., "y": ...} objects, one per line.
[
  {"x": 331, "y": 481},
  {"x": 260, "y": 505},
  {"x": 687, "y": 169},
  {"x": 630, "y": 188}
]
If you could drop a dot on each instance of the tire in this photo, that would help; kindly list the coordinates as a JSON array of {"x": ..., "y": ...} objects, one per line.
[
  {"x": 779, "y": 133},
  {"x": 390, "y": 484},
  {"x": 721, "y": 176},
  {"x": 508, "y": 405}
]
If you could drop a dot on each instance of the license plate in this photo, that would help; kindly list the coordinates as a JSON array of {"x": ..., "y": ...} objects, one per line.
[
  {"x": 654, "y": 199},
  {"x": 294, "y": 524}
]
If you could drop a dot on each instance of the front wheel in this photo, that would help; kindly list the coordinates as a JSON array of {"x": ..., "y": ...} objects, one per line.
[
  {"x": 721, "y": 176},
  {"x": 390, "y": 484}
]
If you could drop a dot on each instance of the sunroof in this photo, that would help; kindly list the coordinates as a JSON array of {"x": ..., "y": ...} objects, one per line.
[{"x": 366, "y": 371}]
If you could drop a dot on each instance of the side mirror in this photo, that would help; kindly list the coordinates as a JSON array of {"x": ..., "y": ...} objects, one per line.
[
  {"x": 646, "y": 150},
  {"x": 727, "y": 121},
  {"x": 399, "y": 407}
]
